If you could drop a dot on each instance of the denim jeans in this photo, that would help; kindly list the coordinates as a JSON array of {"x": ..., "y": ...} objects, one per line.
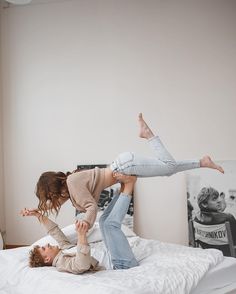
[
  {"x": 161, "y": 164},
  {"x": 115, "y": 240}
]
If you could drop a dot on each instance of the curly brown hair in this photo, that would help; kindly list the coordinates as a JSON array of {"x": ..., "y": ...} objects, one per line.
[
  {"x": 35, "y": 258},
  {"x": 50, "y": 189}
]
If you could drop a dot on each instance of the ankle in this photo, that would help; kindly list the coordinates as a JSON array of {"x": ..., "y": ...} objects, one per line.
[
  {"x": 128, "y": 188},
  {"x": 150, "y": 135}
]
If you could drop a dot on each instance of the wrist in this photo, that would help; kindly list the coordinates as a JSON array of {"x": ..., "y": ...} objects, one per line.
[{"x": 82, "y": 240}]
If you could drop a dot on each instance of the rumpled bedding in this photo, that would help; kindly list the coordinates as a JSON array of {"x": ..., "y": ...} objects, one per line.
[{"x": 164, "y": 268}]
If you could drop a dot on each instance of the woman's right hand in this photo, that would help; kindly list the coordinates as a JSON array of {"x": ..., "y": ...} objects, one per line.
[{"x": 30, "y": 212}]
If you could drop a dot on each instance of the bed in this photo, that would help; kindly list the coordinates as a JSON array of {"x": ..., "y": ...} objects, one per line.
[{"x": 164, "y": 268}]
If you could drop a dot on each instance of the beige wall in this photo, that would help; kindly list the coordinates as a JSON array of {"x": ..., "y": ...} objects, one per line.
[
  {"x": 2, "y": 216},
  {"x": 2, "y": 210},
  {"x": 76, "y": 73}
]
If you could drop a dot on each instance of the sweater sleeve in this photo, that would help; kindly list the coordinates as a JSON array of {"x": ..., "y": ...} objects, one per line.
[
  {"x": 84, "y": 200},
  {"x": 54, "y": 231},
  {"x": 78, "y": 263}
]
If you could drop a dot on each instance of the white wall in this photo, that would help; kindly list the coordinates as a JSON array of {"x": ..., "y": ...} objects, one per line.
[
  {"x": 76, "y": 73},
  {"x": 1, "y": 187},
  {"x": 2, "y": 215}
]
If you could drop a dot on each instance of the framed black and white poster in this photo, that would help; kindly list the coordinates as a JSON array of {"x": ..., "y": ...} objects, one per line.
[{"x": 211, "y": 206}]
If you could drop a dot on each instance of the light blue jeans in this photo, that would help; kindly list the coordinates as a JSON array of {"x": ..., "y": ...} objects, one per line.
[
  {"x": 161, "y": 164},
  {"x": 115, "y": 240}
]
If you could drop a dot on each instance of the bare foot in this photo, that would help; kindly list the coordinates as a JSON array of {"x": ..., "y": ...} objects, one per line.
[
  {"x": 122, "y": 178},
  {"x": 145, "y": 131},
  {"x": 207, "y": 162}
]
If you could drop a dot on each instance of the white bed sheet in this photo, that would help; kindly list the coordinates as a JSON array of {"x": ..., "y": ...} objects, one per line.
[
  {"x": 164, "y": 268},
  {"x": 219, "y": 280}
]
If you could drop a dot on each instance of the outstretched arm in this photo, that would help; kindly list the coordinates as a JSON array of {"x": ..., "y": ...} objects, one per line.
[
  {"x": 52, "y": 228},
  {"x": 81, "y": 229},
  {"x": 25, "y": 211},
  {"x": 35, "y": 212},
  {"x": 82, "y": 261}
]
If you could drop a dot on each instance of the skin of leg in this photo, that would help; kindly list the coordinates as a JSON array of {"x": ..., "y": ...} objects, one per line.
[{"x": 109, "y": 179}]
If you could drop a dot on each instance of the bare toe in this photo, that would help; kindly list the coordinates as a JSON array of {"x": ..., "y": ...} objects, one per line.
[
  {"x": 144, "y": 132},
  {"x": 206, "y": 161}
]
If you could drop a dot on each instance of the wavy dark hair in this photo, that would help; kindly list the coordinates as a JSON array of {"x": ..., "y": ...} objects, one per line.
[{"x": 51, "y": 187}]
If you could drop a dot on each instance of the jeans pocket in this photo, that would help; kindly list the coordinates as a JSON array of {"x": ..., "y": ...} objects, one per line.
[{"x": 125, "y": 158}]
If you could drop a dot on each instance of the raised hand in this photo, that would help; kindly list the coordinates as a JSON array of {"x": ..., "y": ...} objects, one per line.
[{"x": 30, "y": 212}]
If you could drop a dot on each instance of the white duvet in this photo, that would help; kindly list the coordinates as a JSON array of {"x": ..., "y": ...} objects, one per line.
[{"x": 164, "y": 268}]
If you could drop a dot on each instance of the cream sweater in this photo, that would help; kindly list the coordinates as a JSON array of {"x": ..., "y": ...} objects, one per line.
[
  {"x": 85, "y": 188},
  {"x": 76, "y": 263}
]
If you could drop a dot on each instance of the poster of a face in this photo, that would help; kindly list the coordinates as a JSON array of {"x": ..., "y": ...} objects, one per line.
[{"x": 211, "y": 201}]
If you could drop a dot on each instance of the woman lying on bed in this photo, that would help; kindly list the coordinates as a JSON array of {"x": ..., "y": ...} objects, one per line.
[
  {"x": 84, "y": 188},
  {"x": 110, "y": 224}
]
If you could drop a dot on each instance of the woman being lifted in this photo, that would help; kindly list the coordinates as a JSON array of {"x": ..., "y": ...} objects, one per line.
[{"x": 83, "y": 188}]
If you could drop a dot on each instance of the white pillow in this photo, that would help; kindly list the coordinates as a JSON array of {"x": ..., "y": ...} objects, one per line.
[
  {"x": 96, "y": 234},
  {"x": 127, "y": 221},
  {"x": 93, "y": 235}
]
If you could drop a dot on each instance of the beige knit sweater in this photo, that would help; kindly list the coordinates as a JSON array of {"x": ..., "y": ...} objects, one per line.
[
  {"x": 76, "y": 263},
  {"x": 85, "y": 188}
]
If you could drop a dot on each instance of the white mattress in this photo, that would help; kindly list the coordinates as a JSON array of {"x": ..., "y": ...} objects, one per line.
[
  {"x": 220, "y": 279},
  {"x": 164, "y": 268}
]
